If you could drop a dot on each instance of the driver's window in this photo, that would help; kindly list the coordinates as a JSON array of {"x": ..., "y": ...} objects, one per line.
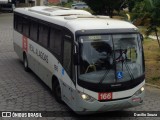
[{"x": 67, "y": 56}]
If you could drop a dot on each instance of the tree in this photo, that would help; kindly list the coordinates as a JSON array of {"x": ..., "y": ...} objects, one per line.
[
  {"x": 105, "y": 7},
  {"x": 132, "y": 3},
  {"x": 149, "y": 9}
]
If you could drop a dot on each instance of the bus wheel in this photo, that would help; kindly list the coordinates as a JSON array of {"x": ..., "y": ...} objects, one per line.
[
  {"x": 57, "y": 91},
  {"x": 25, "y": 63}
]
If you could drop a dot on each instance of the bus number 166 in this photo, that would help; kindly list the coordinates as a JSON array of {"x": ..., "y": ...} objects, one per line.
[{"x": 105, "y": 96}]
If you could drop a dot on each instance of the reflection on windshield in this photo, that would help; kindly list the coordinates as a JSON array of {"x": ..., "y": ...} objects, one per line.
[
  {"x": 96, "y": 56},
  {"x": 128, "y": 56},
  {"x": 101, "y": 58}
]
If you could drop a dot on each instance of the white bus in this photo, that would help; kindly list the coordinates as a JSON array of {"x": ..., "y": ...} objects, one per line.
[{"x": 92, "y": 63}]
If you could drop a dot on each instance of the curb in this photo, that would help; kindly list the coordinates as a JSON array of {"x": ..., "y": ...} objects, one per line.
[{"x": 151, "y": 85}]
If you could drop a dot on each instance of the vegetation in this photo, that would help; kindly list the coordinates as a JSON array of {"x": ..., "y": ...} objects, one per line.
[
  {"x": 152, "y": 61},
  {"x": 148, "y": 9},
  {"x": 106, "y": 7}
]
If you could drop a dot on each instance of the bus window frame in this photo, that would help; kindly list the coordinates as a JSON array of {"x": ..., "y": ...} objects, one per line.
[
  {"x": 65, "y": 31},
  {"x": 35, "y": 20},
  {"x": 46, "y": 25},
  {"x": 71, "y": 40},
  {"x": 29, "y": 21}
]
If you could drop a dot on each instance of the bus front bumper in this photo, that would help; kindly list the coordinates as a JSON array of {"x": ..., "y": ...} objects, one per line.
[{"x": 86, "y": 107}]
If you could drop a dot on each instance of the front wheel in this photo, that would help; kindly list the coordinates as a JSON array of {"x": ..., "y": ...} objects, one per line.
[{"x": 57, "y": 91}]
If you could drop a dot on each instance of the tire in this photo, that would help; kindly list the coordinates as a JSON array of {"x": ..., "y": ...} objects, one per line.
[
  {"x": 56, "y": 90},
  {"x": 25, "y": 63}
]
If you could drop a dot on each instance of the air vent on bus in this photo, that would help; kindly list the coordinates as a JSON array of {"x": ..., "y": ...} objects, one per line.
[
  {"x": 79, "y": 16},
  {"x": 84, "y": 16},
  {"x": 58, "y": 12},
  {"x": 54, "y": 8},
  {"x": 40, "y": 12},
  {"x": 102, "y": 17}
]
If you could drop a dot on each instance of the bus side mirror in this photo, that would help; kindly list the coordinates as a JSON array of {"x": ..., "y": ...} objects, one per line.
[
  {"x": 75, "y": 58},
  {"x": 141, "y": 37}
]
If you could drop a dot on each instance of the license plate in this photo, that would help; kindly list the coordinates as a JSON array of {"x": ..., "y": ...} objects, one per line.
[{"x": 105, "y": 96}]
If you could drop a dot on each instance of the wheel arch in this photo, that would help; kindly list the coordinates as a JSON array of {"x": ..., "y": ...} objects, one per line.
[
  {"x": 24, "y": 54},
  {"x": 55, "y": 79}
]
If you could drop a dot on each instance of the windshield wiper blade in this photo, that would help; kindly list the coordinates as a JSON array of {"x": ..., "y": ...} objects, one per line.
[
  {"x": 129, "y": 71},
  {"x": 124, "y": 62},
  {"x": 104, "y": 76}
]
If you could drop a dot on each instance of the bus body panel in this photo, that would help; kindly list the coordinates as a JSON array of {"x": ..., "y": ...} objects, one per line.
[
  {"x": 118, "y": 104},
  {"x": 43, "y": 69},
  {"x": 17, "y": 40},
  {"x": 115, "y": 95}
]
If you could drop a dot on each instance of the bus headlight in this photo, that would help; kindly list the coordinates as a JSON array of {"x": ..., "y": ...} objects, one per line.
[
  {"x": 139, "y": 91},
  {"x": 86, "y": 97}
]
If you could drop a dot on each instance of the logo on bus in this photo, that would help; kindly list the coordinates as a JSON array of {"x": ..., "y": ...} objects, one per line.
[
  {"x": 105, "y": 96},
  {"x": 25, "y": 44},
  {"x": 119, "y": 75}
]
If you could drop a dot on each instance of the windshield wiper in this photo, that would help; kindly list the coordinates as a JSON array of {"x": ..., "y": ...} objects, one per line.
[
  {"x": 123, "y": 62},
  {"x": 106, "y": 73},
  {"x": 104, "y": 76},
  {"x": 129, "y": 71},
  {"x": 127, "y": 67}
]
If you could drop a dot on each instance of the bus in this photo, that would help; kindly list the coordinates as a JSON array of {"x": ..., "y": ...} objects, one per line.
[
  {"x": 91, "y": 63},
  {"x": 7, "y": 5}
]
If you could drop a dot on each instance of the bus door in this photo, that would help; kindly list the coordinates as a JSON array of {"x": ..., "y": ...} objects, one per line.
[{"x": 66, "y": 70}]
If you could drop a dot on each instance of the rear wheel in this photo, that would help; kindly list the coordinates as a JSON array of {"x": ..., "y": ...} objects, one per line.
[
  {"x": 25, "y": 63},
  {"x": 57, "y": 91}
]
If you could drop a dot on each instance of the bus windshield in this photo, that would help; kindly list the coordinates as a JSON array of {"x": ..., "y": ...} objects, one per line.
[{"x": 110, "y": 58}]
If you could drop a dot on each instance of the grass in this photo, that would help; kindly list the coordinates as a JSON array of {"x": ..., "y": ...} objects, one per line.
[
  {"x": 152, "y": 61},
  {"x": 152, "y": 58},
  {"x": 143, "y": 30}
]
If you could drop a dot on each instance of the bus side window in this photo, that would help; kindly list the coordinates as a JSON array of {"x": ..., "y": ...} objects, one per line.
[
  {"x": 33, "y": 30},
  {"x": 19, "y": 23},
  {"x": 67, "y": 56},
  {"x": 43, "y": 35},
  {"x": 25, "y": 26},
  {"x": 15, "y": 21},
  {"x": 55, "y": 40}
]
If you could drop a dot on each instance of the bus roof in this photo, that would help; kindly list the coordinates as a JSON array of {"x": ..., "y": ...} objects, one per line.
[{"x": 73, "y": 19}]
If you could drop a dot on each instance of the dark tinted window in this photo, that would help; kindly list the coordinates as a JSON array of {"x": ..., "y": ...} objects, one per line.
[
  {"x": 55, "y": 40},
  {"x": 26, "y": 26},
  {"x": 19, "y": 22},
  {"x": 67, "y": 56},
  {"x": 33, "y": 30},
  {"x": 15, "y": 21},
  {"x": 43, "y": 34}
]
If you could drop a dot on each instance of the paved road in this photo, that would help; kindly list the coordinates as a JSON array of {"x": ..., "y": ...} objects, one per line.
[{"x": 21, "y": 91}]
